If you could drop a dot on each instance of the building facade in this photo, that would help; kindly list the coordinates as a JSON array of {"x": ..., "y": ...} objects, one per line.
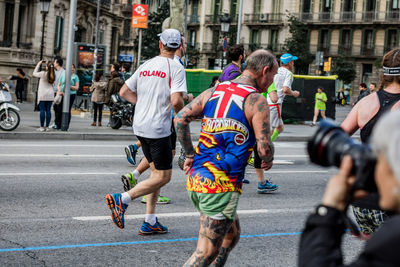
[
  {"x": 360, "y": 30},
  {"x": 21, "y": 33}
]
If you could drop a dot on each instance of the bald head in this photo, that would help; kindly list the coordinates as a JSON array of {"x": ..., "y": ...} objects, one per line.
[{"x": 260, "y": 59}]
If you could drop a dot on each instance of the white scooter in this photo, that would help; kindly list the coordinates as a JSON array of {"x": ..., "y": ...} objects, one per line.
[{"x": 9, "y": 117}]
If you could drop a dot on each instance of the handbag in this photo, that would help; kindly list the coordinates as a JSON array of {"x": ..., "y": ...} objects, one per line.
[{"x": 57, "y": 99}]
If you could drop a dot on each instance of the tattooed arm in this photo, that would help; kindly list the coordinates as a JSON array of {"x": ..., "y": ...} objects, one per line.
[
  {"x": 257, "y": 113},
  {"x": 191, "y": 111}
]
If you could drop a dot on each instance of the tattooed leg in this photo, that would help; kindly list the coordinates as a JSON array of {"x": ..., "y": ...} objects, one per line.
[
  {"x": 229, "y": 242},
  {"x": 211, "y": 236}
]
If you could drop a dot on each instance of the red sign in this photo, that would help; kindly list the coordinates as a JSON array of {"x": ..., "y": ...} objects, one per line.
[{"x": 139, "y": 16}]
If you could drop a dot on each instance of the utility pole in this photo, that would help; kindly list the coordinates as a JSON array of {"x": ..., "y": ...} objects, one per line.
[
  {"x": 96, "y": 40},
  {"x": 68, "y": 67},
  {"x": 239, "y": 24}
]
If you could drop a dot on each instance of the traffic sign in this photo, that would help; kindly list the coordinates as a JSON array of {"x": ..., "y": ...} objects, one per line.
[{"x": 139, "y": 16}]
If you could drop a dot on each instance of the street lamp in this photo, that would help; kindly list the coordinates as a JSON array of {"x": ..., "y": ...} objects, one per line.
[
  {"x": 44, "y": 9},
  {"x": 225, "y": 23}
]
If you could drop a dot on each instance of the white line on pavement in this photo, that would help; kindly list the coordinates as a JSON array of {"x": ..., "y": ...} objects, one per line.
[
  {"x": 100, "y": 156},
  {"x": 191, "y": 214},
  {"x": 54, "y": 173},
  {"x": 61, "y": 174}
]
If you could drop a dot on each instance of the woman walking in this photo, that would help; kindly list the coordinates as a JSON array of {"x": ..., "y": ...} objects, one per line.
[
  {"x": 98, "y": 90},
  {"x": 20, "y": 86},
  {"x": 320, "y": 100},
  {"x": 45, "y": 93}
]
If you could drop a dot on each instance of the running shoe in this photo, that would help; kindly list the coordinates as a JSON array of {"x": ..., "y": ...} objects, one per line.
[
  {"x": 129, "y": 181},
  {"x": 117, "y": 209},
  {"x": 245, "y": 181},
  {"x": 148, "y": 229},
  {"x": 160, "y": 200},
  {"x": 130, "y": 152},
  {"x": 267, "y": 187},
  {"x": 251, "y": 161}
]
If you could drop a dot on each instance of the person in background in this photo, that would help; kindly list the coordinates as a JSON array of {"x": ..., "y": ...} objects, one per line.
[
  {"x": 98, "y": 90},
  {"x": 125, "y": 71},
  {"x": 233, "y": 70},
  {"x": 373, "y": 88},
  {"x": 72, "y": 94},
  {"x": 59, "y": 70},
  {"x": 341, "y": 98},
  {"x": 20, "y": 86},
  {"x": 114, "y": 83},
  {"x": 363, "y": 92},
  {"x": 320, "y": 104},
  {"x": 347, "y": 95},
  {"x": 45, "y": 93}
]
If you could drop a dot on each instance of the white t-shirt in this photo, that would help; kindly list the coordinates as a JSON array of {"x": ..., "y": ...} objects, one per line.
[
  {"x": 283, "y": 77},
  {"x": 154, "y": 82}
]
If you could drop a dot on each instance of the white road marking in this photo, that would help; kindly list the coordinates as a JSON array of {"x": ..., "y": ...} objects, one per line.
[
  {"x": 192, "y": 214},
  {"x": 54, "y": 173},
  {"x": 61, "y": 174}
]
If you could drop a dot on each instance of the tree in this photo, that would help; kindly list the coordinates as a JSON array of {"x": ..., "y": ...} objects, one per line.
[
  {"x": 149, "y": 37},
  {"x": 345, "y": 70},
  {"x": 298, "y": 44}
]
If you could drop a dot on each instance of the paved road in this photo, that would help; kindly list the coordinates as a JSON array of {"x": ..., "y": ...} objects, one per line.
[{"x": 53, "y": 211}]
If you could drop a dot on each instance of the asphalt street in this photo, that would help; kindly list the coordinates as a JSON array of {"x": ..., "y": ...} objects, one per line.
[{"x": 53, "y": 212}]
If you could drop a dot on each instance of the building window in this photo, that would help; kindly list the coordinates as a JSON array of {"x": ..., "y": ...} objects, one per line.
[
  {"x": 194, "y": 18},
  {"x": 326, "y": 8},
  {"x": 101, "y": 36},
  {"x": 217, "y": 11},
  {"x": 273, "y": 41},
  {"x": 254, "y": 40},
  {"x": 8, "y": 25},
  {"x": 306, "y": 10},
  {"x": 233, "y": 10},
  {"x": 369, "y": 10},
  {"x": 257, "y": 7},
  {"x": 192, "y": 39},
  {"x": 391, "y": 39},
  {"x": 323, "y": 44},
  {"x": 368, "y": 42},
  {"x": 393, "y": 10},
  {"x": 347, "y": 10},
  {"x": 58, "y": 36},
  {"x": 345, "y": 42}
]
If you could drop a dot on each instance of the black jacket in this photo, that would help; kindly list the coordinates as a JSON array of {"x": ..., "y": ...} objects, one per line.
[{"x": 322, "y": 237}]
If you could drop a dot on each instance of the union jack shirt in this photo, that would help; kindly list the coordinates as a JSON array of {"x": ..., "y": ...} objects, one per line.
[{"x": 225, "y": 144}]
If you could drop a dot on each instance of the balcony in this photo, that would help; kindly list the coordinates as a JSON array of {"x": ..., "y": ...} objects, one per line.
[
  {"x": 212, "y": 19},
  {"x": 193, "y": 20},
  {"x": 346, "y": 17},
  {"x": 344, "y": 50},
  {"x": 6, "y": 43},
  {"x": 209, "y": 48},
  {"x": 262, "y": 18},
  {"x": 106, "y": 3},
  {"x": 275, "y": 48}
]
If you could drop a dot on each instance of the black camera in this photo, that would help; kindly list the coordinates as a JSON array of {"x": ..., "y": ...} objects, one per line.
[{"x": 330, "y": 144}]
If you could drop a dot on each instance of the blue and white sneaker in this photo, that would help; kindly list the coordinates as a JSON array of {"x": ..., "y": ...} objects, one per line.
[
  {"x": 117, "y": 209},
  {"x": 148, "y": 229},
  {"x": 267, "y": 187},
  {"x": 131, "y": 152}
]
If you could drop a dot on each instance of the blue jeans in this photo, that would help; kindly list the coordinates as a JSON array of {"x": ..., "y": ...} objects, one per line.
[{"x": 45, "y": 112}]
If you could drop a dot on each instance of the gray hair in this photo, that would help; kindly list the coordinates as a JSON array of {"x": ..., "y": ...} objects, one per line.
[
  {"x": 386, "y": 140},
  {"x": 260, "y": 59}
]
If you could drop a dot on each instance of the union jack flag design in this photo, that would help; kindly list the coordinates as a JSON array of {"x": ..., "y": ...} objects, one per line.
[{"x": 225, "y": 144}]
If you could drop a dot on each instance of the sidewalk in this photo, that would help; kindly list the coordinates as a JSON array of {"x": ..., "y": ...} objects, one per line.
[{"x": 80, "y": 128}]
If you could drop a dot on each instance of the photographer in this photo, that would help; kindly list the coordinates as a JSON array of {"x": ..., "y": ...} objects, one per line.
[
  {"x": 364, "y": 116},
  {"x": 321, "y": 238}
]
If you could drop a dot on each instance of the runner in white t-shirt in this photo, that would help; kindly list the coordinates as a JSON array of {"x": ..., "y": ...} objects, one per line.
[
  {"x": 283, "y": 83},
  {"x": 156, "y": 87}
]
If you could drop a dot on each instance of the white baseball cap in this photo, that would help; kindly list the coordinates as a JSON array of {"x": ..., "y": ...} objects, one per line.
[{"x": 171, "y": 38}]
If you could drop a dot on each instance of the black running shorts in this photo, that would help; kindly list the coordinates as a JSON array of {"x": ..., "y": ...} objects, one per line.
[{"x": 158, "y": 151}]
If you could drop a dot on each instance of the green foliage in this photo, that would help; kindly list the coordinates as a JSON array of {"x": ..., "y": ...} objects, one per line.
[
  {"x": 298, "y": 44},
  {"x": 345, "y": 70},
  {"x": 149, "y": 36}
]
